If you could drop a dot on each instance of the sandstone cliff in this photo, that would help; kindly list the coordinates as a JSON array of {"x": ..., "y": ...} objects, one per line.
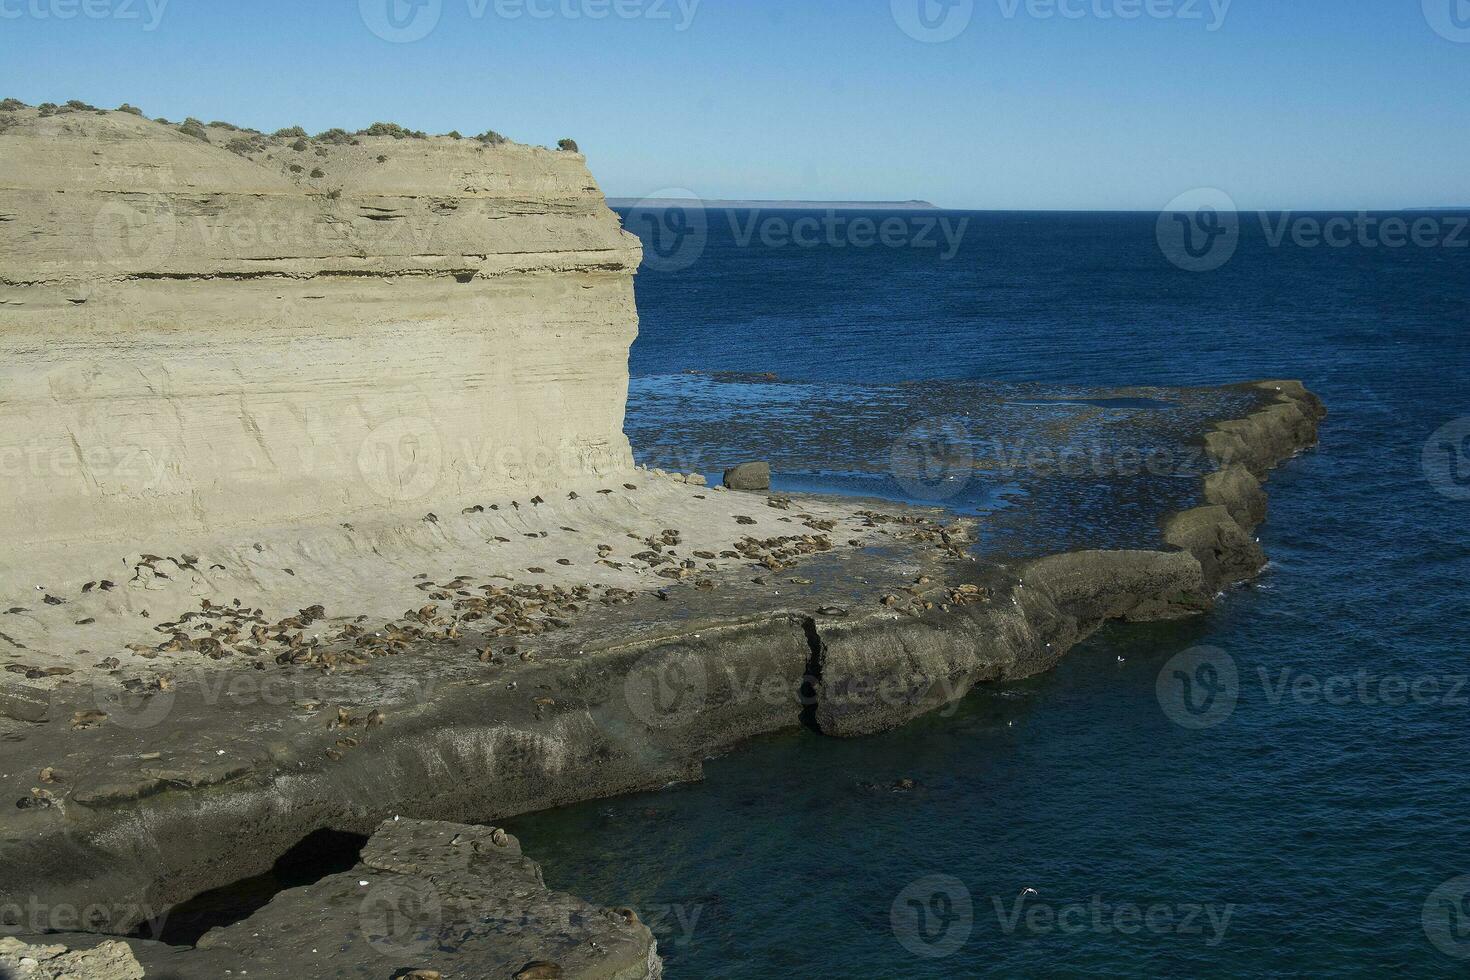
[{"x": 195, "y": 338}]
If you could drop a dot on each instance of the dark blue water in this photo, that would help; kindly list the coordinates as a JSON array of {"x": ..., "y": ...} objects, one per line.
[{"x": 1316, "y": 830}]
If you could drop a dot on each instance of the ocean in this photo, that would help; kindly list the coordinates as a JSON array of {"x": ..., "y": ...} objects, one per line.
[{"x": 1067, "y": 825}]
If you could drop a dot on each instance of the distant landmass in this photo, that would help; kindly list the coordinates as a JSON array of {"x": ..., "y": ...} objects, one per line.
[{"x": 675, "y": 202}]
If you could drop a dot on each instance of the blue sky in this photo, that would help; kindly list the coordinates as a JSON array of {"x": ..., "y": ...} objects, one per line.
[{"x": 1031, "y": 104}]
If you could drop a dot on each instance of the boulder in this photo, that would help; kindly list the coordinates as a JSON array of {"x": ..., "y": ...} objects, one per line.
[{"x": 749, "y": 476}]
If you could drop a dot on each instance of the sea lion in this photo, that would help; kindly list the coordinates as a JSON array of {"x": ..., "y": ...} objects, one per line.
[{"x": 539, "y": 970}]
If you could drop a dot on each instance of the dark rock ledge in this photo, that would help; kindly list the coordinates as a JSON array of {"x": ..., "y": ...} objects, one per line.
[
  {"x": 128, "y": 835},
  {"x": 427, "y": 900}
]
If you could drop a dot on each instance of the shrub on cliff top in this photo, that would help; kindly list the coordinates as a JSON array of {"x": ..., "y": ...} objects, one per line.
[
  {"x": 337, "y": 137},
  {"x": 10, "y": 105},
  {"x": 195, "y": 128},
  {"x": 392, "y": 129},
  {"x": 131, "y": 110},
  {"x": 300, "y": 146},
  {"x": 285, "y": 134},
  {"x": 77, "y": 105},
  {"x": 568, "y": 146},
  {"x": 454, "y": 134},
  {"x": 491, "y": 138},
  {"x": 47, "y": 108},
  {"x": 245, "y": 145}
]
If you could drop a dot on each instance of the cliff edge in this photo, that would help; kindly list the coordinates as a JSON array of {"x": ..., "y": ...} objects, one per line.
[{"x": 200, "y": 333}]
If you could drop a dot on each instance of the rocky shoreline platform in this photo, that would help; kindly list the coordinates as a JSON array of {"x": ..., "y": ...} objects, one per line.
[
  {"x": 124, "y": 814},
  {"x": 328, "y": 543}
]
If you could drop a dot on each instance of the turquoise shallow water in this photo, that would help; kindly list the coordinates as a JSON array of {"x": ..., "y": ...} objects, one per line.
[{"x": 1317, "y": 829}]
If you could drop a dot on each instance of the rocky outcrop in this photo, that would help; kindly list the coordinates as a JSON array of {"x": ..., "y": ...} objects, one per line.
[
  {"x": 427, "y": 899},
  {"x": 196, "y": 338},
  {"x": 749, "y": 476},
  {"x": 43, "y": 960},
  {"x": 875, "y": 675}
]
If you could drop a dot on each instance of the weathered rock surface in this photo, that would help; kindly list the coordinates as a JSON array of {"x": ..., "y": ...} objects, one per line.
[
  {"x": 875, "y": 676},
  {"x": 44, "y": 960},
  {"x": 197, "y": 340},
  {"x": 462, "y": 901},
  {"x": 749, "y": 476}
]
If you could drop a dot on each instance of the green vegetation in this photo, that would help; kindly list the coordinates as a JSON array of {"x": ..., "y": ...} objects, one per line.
[
  {"x": 297, "y": 168},
  {"x": 163, "y": 121},
  {"x": 131, "y": 110},
  {"x": 568, "y": 146},
  {"x": 318, "y": 173},
  {"x": 10, "y": 105},
  {"x": 246, "y": 145},
  {"x": 337, "y": 137},
  {"x": 285, "y": 134},
  {"x": 300, "y": 146},
  {"x": 454, "y": 134},
  {"x": 491, "y": 138},
  {"x": 48, "y": 109},
  {"x": 77, "y": 105},
  {"x": 382, "y": 158},
  {"x": 394, "y": 130},
  {"x": 195, "y": 128}
]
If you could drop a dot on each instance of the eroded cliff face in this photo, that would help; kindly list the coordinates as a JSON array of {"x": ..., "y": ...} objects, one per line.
[{"x": 195, "y": 340}]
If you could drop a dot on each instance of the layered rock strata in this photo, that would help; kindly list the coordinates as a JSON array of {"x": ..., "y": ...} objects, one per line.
[{"x": 195, "y": 340}]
